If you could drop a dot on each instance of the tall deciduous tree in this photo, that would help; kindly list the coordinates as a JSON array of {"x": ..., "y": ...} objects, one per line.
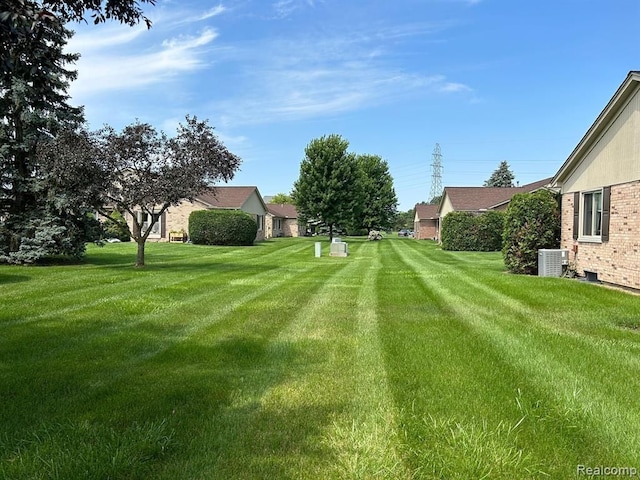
[
  {"x": 147, "y": 172},
  {"x": 405, "y": 219},
  {"x": 378, "y": 197},
  {"x": 281, "y": 198},
  {"x": 35, "y": 11},
  {"x": 501, "y": 177},
  {"x": 327, "y": 188}
]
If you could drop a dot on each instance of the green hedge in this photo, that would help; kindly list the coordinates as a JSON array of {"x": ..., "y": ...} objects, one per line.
[
  {"x": 222, "y": 227},
  {"x": 532, "y": 222},
  {"x": 465, "y": 231}
]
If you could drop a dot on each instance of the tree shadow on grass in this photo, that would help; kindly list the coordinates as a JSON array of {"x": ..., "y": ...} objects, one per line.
[
  {"x": 207, "y": 394},
  {"x": 8, "y": 278}
]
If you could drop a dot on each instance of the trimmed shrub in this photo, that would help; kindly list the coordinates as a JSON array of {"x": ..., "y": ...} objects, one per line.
[
  {"x": 532, "y": 222},
  {"x": 456, "y": 231},
  {"x": 464, "y": 231},
  {"x": 117, "y": 227},
  {"x": 222, "y": 227},
  {"x": 489, "y": 231}
]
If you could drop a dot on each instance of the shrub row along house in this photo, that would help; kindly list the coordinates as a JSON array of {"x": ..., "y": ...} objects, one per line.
[
  {"x": 273, "y": 220},
  {"x": 599, "y": 185},
  {"x": 427, "y": 224}
]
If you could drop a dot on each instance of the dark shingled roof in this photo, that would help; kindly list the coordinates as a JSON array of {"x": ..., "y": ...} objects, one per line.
[
  {"x": 485, "y": 198},
  {"x": 426, "y": 212},
  {"x": 285, "y": 210},
  {"x": 226, "y": 197}
]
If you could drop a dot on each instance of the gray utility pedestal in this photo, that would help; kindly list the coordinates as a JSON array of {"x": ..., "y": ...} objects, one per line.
[{"x": 339, "y": 249}]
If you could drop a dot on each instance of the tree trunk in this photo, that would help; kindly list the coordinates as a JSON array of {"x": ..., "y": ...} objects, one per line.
[
  {"x": 330, "y": 232},
  {"x": 140, "y": 259}
]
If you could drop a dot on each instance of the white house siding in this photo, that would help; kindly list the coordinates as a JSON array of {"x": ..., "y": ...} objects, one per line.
[
  {"x": 614, "y": 157},
  {"x": 616, "y": 261},
  {"x": 254, "y": 206},
  {"x": 446, "y": 207}
]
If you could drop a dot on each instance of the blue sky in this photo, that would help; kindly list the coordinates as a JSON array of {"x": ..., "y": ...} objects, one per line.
[{"x": 488, "y": 80}]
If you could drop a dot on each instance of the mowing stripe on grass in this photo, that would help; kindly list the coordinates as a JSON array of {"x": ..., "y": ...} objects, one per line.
[
  {"x": 594, "y": 416},
  {"x": 366, "y": 437},
  {"x": 273, "y": 424}
]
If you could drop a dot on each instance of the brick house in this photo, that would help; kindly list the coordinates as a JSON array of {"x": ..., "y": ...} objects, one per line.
[
  {"x": 425, "y": 223},
  {"x": 282, "y": 221},
  {"x": 176, "y": 218},
  {"x": 600, "y": 188},
  {"x": 482, "y": 199}
]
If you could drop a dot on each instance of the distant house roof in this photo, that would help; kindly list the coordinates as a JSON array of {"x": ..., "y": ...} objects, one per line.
[
  {"x": 472, "y": 199},
  {"x": 285, "y": 210},
  {"x": 232, "y": 198},
  {"x": 622, "y": 95},
  {"x": 426, "y": 212}
]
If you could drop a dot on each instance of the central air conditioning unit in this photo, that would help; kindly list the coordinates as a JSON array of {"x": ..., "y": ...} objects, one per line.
[{"x": 551, "y": 262}]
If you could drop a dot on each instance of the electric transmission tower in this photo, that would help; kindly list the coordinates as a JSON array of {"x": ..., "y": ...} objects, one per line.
[{"x": 436, "y": 173}]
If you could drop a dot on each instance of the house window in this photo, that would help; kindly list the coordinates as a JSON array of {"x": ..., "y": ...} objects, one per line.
[
  {"x": 145, "y": 220},
  {"x": 277, "y": 224},
  {"x": 592, "y": 214},
  {"x": 260, "y": 222}
]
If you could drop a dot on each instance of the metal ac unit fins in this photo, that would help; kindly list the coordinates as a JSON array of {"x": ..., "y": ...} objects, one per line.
[{"x": 551, "y": 261}]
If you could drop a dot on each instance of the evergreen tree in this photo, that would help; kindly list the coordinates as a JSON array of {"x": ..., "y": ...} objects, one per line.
[
  {"x": 39, "y": 215},
  {"x": 327, "y": 188},
  {"x": 435, "y": 200},
  {"x": 33, "y": 110},
  {"x": 501, "y": 177}
]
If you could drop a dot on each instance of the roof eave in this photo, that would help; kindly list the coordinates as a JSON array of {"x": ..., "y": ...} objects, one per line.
[{"x": 624, "y": 92}]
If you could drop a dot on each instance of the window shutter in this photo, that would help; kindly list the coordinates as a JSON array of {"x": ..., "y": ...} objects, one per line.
[
  {"x": 576, "y": 214},
  {"x": 606, "y": 206}
]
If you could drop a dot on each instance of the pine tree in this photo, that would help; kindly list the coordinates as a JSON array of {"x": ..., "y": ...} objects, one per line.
[
  {"x": 501, "y": 177},
  {"x": 33, "y": 110}
]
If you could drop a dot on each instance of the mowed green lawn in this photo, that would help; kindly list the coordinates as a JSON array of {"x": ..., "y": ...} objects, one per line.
[{"x": 401, "y": 361}]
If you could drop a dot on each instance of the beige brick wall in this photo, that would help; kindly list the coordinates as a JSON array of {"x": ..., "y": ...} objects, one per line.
[
  {"x": 291, "y": 228},
  {"x": 177, "y": 218},
  {"x": 288, "y": 227},
  {"x": 618, "y": 260}
]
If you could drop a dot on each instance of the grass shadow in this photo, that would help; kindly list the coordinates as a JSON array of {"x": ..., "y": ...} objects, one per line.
[
  {"x": 7, "y": 279},
  {"x": 160, "y": 393}
]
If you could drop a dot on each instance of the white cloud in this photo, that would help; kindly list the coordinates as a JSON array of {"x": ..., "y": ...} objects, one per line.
[
  {"x": 303, "y": 79},
  {"x": 106, "y": 36},
  {"x": 451, "y": 87},
  {"x": 284, "y": 8},
  {"x": 214, "y": 12},
  {"x": 123, "y": 70}
]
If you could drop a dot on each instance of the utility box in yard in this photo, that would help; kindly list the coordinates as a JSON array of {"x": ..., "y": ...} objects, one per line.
[{"x": 339, "y": 249}]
